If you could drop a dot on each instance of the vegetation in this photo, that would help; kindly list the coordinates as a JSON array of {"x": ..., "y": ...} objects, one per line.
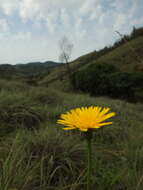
[
  {"x": 126, "y": 56},
  {"x": 49, "y": 158},
  {"x": 126, "y": 50},
  {"x": 106, "y": 80},
  {"x": 35, "y": 153},
  {"x": 36, "y": 70}
]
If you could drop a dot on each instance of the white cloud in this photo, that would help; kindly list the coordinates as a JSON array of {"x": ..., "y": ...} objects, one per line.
[
  {"x": 89, "y": 24},
  {"x": 25, "y": 48},
  {"x": 65, "y": 17},
  {"x": 138, "y": 22},
  {"x": 29, "y": 9},
  {"x": 89, "y": 7},
  {"x": 4, "y": 26},
  {"x": 9, "y": 6},
  {"x": 22, "y": 36}
]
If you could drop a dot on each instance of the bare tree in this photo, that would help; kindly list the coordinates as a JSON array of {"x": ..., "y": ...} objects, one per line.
[{"x": 65, "y": 53}]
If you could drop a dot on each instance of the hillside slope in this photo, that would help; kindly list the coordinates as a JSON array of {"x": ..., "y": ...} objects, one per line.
[{"x": 126, "y": 56}]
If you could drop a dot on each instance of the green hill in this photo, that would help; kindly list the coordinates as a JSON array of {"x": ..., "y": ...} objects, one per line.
[
  {"x": 8, "y": 71},
  {"x": 125, "y": 55},
  {"x": 128, "y": 57},
  {"x": 36, "y": 67}
]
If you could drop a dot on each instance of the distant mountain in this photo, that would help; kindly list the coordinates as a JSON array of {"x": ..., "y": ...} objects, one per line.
[
  {"x": 29, "y": 69},
  {"x": 36, "y": 67},
  {"x": 7, "y": 71}
]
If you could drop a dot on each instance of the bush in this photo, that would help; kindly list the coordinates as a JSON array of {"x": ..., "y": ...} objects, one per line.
[
  {"x": 94, "y": 79},
  {"x": 126, "y": 85},
  {"x": 121, "y": 85},
  {"x": 105, "y": 80}
]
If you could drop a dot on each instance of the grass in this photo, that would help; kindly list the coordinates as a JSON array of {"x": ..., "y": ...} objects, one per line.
[
  {"x": 48, "y": 158},
  {"x": 42, "y": 160},
  {"x": 18, "y": 110},
  {"x": 25, "y": 109},
  {"x": 128, "y": 57}
]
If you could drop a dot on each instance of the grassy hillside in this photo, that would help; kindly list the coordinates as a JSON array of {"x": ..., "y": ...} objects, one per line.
[
  {"x": 35, "y": 152},
  {"x": 126, "y": 55}
]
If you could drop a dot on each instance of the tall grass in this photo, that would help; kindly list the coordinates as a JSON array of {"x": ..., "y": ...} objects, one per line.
[
  {"x": 41, "y": 160},
  {"x": 25, "y": 109},
  {"x": 17, "y": 170},
  {"x": 51, "y": 159}
]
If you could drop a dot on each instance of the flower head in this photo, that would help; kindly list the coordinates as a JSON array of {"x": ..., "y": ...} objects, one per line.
[{"x": 86, "y": 118}]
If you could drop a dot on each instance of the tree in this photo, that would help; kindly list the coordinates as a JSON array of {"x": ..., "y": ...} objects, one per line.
[{"x": 65, "y": 53}]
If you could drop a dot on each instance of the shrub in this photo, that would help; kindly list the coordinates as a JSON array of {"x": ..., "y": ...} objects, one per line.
[
  {"x": 105, "y": 80},
  {"x": 126, "y": 85},
  {"x": 94, "y": 79}
]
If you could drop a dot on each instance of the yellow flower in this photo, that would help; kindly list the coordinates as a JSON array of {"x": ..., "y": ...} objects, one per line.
[{"x": 85, "y": 118}]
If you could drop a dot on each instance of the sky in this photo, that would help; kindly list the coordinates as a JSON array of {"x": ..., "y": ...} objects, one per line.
[{"x": 30, "y": 30}]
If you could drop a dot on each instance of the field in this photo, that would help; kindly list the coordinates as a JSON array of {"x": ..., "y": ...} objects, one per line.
[{"x": 36, "y": 154}]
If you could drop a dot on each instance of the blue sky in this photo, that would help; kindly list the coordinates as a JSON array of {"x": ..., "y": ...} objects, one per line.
[{"x": 30, "y": 30}]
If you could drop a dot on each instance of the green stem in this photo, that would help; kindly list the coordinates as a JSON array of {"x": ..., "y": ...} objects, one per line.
[{"x": 89, "y": 149}]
